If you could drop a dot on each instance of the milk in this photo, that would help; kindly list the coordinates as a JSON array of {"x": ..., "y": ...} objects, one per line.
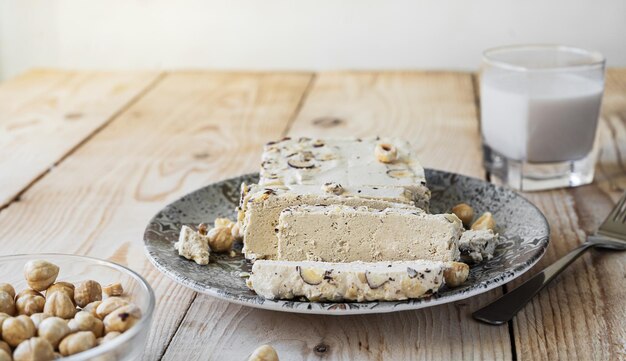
[{"x": 540, "y": 117}]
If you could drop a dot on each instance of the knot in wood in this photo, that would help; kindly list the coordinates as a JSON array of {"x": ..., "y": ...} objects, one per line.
[
  {"x": 327, "y": 122},
  {"x": 321, "y": 348}
]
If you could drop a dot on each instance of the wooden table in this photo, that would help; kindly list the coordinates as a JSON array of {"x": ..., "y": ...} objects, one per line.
[{"x": 88, "y": 157}]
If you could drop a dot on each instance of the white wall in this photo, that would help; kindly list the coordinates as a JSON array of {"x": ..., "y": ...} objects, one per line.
[{"x": 282, "y": 34}]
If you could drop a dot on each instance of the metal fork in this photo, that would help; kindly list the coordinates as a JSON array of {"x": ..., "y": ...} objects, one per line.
[{"x": 611, "y": 235}]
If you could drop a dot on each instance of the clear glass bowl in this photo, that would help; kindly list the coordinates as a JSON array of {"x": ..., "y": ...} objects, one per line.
[{"x": 127, "y": 346}]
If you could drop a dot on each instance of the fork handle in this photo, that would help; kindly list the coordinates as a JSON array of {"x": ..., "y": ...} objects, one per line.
[{"x": 504, "y": 308}]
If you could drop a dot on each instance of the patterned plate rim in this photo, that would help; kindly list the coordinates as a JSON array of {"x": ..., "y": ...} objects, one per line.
[{"x": 413, "y": 304}]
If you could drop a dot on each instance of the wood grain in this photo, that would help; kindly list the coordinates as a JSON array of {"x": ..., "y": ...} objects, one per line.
[
  {"x": 44, "y": 115},
  {"x": 190, "y": 129},
  {"x": 435, "y": 111},
  {"x": 429, "y": 109},
  {"x": 582, "y": 314},
  {"x": 193, "y": 128}
]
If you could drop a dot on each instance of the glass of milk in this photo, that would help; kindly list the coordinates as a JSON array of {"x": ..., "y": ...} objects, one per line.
[{"x": 539, "y": 113}]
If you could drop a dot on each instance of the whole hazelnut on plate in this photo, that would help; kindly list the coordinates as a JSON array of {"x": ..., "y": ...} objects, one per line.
[
  {"x": 34, "y": 349},
  {"x": 220, "y": 239},
  {"x": 77, "y": 342},
  {"x": 465, "y": 213},
  {"x": 484, "y": 222},
  {"x": 7, "y": 304},
  {"x": 455, "y": 274},
  {"x": 223, "y": 222},
  {"x": 87, "y": 292},
  {"x": 60, "y": 305},
  {"x": 122, "y": 318},
  {"x": 53, "y": 329},
  {"x": 40, "y": 274},
  {"x": 17, "y": 329}
]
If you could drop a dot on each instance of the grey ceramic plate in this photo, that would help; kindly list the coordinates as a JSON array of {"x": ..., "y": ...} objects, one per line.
[{"x": 524, "y": 231}]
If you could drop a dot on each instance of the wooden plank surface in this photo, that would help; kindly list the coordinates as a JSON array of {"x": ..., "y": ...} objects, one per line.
[
  {"x": 190, "y": 129},
  {"x": 582, "y": 314},
  {"x": 44, "y": 115},
  {"x": 429, "y": 109},
  {"x": 153, "y": 139}
]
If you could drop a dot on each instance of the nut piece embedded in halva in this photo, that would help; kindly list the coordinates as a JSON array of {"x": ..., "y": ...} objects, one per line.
[
  {"x": 386, "y": 153},
  {"x": 311, "y": 276}
]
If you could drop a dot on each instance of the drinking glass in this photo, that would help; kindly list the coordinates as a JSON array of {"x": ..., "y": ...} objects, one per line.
[{"x": 539, "y": 113}]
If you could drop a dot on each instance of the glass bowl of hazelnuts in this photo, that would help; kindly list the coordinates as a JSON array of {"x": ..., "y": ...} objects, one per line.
[{"x": 58, "y": 306}]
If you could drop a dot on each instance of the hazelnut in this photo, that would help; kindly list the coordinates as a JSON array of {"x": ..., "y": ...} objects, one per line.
[
  {"x": 6, "y": 287},
  {"x": 77, "y": 342},
  {"x": 40, "y": 274},
  {"x": 17, "y": 329},
  {"x": 122, "y": 318},
  {"x": 29, "y": 303},
  {"x": 27, "y": 291},
  {"x": 484, "y": 222},
  {"x": 38, "y": 317},
  {"x": 60, "y": 305},
  {"x": 223, "y": 222},
  {"x": 53, "y": 329},
  {"x": 202, "y": 229},
  {"x": 7, "y": 304},
  {"x": 3, "y": 317},
  {"x": 34, "y": 349},
  {"x": 113, "y": 289},
  {"x": 85, "y": 321},
  {"x": 108, "y": 337},
  {"x": 5, "y": 356},
  {"x": 236, "y": 233},
  {"x": 87, "y": 292},
  {"x": 64, "y": 287},
  {"x": 264, "y": 353},
  {"x": 5, "y": 346},
  {"x": 91, "y": 308},
  {"x": 333, "y": 188},
  {"x": 220, "y": 239},
  {"x": 386, "y": 153},
  {"x": 456, "y": 273},
  {"x": 311, "y": 276},
  {"x": 109, "y": 305},
  {"x": 465, "y": 213}
]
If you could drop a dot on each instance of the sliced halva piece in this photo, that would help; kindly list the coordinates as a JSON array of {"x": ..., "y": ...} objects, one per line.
[
  {"x": 193, "y": 245},
  {"x": 304, "y": 164},
  {"x": 260, "y": 208},
  {"x": 339, "y": 233},
  {"x": 478, "y": 245},
  {"x": 355, "y": 281}
]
